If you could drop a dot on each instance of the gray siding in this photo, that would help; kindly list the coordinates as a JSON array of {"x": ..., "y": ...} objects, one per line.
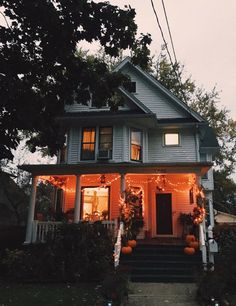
[
  {"x": 153, "y": 98},
  {"x": 186, "y": 152},
  {"x": 117, "y": 143},
  {"x": 74, "y": 146}
]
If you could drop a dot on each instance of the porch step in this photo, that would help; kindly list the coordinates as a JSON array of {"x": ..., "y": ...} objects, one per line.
[{"x": 161, "y": 263}]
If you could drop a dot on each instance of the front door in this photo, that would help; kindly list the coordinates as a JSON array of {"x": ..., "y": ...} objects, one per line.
[{"x": 164, "y": 214}]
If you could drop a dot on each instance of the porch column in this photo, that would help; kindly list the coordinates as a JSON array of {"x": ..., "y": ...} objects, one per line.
[
  {"x": 122, "y": 184},
  {"x": 29, "y": 227},
  {"x": 77, "y": 199}
]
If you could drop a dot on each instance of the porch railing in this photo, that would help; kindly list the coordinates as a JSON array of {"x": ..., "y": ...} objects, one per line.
[
  {"x": 41, "y": 229},
  {"x": 117, "y": 248}
]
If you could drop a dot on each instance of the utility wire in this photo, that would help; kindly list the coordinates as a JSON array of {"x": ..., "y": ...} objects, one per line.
[
  {"x": 5, "y": 19},
  {"x": 162, "y": 34},
  {"x": 168, "y": 52},
  {"x": 168, "y": 26}
]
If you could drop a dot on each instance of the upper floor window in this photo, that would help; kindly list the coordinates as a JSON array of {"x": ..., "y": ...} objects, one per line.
[
  {"x": 136, "y": 145},
  {"x": 105, "y": 138},
  {"x": 171, "y": 139},
  {"x": 88, "y": 143},
  {"x": 130, "y": 86}
]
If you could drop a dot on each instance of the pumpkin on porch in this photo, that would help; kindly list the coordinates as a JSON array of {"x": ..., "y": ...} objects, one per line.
[
  {"x": 126, "y": 249},
  {"x": 190, "y": 238},
  {"x": 189, "y": 250},
  {"x": 132, "y": 243},
  {"x": 194, "y": 244}
]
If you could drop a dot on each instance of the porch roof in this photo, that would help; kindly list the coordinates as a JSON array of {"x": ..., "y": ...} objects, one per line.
[{"x": 124, "y": 167}]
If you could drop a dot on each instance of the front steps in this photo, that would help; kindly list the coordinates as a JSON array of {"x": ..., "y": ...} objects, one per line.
[{"x": 161, "y": 263}]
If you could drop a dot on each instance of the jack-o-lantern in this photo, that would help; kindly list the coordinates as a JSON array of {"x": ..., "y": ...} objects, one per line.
[
  {"x": 189, "y": 250},
  {"x": 194, "y": 244},
  {"x": 132, "y": 243},
  {"x": 126, "y": 249},
  {"x": 190, "y": 238}
]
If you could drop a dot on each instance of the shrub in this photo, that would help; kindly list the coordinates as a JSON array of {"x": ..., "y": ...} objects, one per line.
[
  {"x": 115, "y": 286},
  {"x": 77, "y": 252}
]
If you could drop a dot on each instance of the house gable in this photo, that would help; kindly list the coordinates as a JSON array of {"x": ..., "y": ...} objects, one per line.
[{"x": 156, "y": 97}]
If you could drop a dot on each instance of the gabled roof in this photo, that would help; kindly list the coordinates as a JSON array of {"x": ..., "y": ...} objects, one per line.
[
  {"x": 158, "y": 85},
  {"x": 138, "y": 103}
]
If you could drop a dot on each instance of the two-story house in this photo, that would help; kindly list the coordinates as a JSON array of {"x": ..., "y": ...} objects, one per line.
[{"x": 154, "y": 144}]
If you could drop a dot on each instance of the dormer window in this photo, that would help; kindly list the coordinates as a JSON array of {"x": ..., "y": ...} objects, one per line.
[
  {"x": 171, "y": 139},
  {"x": 130, "y": 86}
]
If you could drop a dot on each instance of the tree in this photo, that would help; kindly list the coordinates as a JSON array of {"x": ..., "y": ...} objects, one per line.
[
  {"x": 40, "y": 70},
  {"x": 206, "y": 104}
]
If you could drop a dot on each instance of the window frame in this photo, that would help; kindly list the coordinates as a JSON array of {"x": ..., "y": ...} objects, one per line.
[
  {"x": 82, "y": 143},
  {"x": 171, "y": 145},
  {"x": 99, "y": 138},
  {"x": 82, "y": 200},
  {"x": 141, "y": 145}
]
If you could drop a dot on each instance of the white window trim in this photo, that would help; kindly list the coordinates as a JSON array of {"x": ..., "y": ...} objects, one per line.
[{"x": 171, "y": 145}]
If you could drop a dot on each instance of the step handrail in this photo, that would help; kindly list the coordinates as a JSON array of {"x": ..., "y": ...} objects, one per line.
[{"x": 117, "y": 248}]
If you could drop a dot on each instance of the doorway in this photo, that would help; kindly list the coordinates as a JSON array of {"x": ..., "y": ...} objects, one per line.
[{"x": 164, "y": 223}]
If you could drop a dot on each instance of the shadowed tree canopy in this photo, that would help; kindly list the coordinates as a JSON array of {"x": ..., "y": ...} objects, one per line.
[
  {"x": 40, "y": 70},
  {"x": 206, "y": 103}
]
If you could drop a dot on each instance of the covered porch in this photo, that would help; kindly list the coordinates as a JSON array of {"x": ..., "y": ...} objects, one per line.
[{"x": 165, "y": 193}]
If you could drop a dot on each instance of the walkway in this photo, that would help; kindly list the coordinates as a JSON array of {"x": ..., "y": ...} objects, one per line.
[{"x": 162, "y": 294}]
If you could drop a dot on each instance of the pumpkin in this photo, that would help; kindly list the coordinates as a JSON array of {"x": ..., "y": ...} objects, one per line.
[
  {"x": 132, "y": 243},
  {"x": 194, "y": 244},
  {"x": 189, "y": 250},
  {"x": 126, "y": 249},
  {"x": 190, "y": 238}
]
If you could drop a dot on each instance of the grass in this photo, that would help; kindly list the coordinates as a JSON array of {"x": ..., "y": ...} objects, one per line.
[{"x": 50, "y": 294}]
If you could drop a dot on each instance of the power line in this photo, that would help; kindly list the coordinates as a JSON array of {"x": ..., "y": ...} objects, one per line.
[
  {"x": 168, "y": 26},
  {"x": 168, "y": 52},
  {"x": 162, "y": 34}
]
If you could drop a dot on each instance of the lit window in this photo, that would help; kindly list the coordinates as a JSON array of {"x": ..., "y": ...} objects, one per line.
[
  {"x": 88, "y": 144},
  {"x": 171, "y": 139},
  {"x": 95, "y": 203},
  {"x": 136, "y": 145}
]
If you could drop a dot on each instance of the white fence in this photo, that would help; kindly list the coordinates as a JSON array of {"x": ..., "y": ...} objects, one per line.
[{"x": 41, "y": 229}]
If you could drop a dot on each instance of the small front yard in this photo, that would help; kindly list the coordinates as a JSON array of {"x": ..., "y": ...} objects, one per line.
[{"x": 50, "y": 294}]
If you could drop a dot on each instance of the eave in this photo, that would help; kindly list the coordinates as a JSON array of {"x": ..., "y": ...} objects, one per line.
[
  {"x": 146, "y": 120},
  {"x": 125, "y": 167}
]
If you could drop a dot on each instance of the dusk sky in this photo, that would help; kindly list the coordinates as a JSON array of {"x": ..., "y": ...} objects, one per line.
[{"x": 204, "y": 35}]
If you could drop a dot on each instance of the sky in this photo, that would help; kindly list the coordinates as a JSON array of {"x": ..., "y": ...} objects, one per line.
[{"x": 204, "y": 35}]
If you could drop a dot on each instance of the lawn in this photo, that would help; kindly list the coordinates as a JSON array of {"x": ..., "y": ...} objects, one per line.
[{"x": 50, "y": 294}]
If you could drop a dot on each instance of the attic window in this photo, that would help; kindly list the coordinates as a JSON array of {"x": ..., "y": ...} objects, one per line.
[
  {"x": 171, "y": 139},
  {"x": 130, "y": 86}
]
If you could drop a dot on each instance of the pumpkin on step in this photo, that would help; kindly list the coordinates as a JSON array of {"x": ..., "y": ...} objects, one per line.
[
  {"x": 132, "y": 243},
  {"x": 126, "y": 249},
  {"x": 190, "y": 238},
  {"x": 189, "y": 250},
  {"x": 194, "y": 244}
]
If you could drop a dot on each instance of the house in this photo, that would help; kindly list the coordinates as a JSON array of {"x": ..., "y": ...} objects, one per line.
[
  {"x": 154, "y": 145},
  {"x": 224, "y": 218}
]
